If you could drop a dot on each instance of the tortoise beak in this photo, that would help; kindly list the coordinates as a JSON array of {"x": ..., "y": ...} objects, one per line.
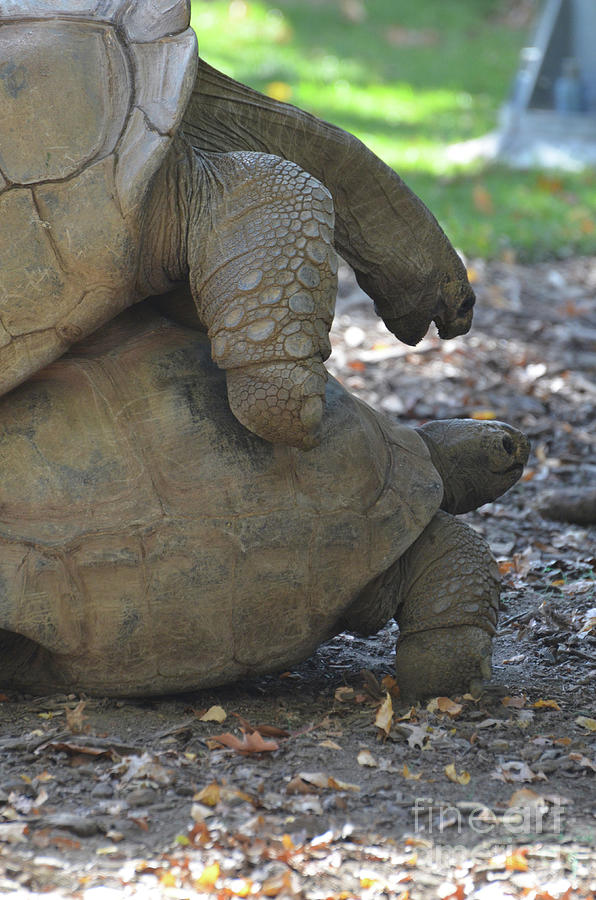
[{"x": 456, "y": 309}]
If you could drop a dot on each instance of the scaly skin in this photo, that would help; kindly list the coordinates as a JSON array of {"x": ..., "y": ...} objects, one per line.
[
  {"x": 448, "y": 600},
  {"x": 263, "y": 276}
]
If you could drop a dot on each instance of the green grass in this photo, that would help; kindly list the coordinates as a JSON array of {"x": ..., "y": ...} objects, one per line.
[{"x": 409, "y": 79}]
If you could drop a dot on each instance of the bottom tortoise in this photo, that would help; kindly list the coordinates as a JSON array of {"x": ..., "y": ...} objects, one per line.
[{"x": 150, "y": 544}]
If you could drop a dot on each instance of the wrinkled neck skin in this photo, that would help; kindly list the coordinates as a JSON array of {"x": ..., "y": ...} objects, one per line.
[
  {"x": 178, "y": 205},
  {"x": 477, "y": 461}
]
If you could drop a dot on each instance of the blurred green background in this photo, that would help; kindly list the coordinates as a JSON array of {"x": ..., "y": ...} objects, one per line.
[{"x": 411, "y": 77}]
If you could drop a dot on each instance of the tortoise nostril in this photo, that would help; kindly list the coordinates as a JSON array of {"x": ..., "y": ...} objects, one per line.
[
  {"x": 467, "y": 303},
  {"x": 508, "y": 444}
]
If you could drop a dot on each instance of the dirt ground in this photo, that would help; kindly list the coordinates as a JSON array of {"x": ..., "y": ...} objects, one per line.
[{"x": 322, "y": 784}]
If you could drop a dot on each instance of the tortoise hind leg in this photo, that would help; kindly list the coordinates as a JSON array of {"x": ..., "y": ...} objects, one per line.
[
  {"x": 263, "y": 273},
  {"x": 448, "y": 600}
]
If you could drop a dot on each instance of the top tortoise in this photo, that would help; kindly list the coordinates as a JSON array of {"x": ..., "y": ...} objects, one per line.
[{"x": 130, "y": 168}]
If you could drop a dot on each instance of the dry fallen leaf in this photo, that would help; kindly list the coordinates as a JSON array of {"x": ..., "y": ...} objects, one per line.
[
  {"x": 525, "y": 798},
  {"x": 365, "y": 758},
  {"x": 452, "y": 775},
  {"x": 514, "y": 702},
  {"x": 384, "y": 716},
  {"x": 74, "y": 717},
  {"x": 209, "y": 795},
  {"x": 446, "y": 705},
  {"x": 517, "y": 861},
  {"x": 320, "y": 780},
  {"x": 208, "y": 877},
  {"x": 583, "y": 761},
  {"x": 329, "y": 745},
  {"x": 214, "y": 714},
  {"x": 585, "y": 722},
  {"x": 411, "y": 776},
  {"x": 515, "y": 770},
  {"x": 13, "y": 832},
  {"x": 546, "y": 704},
  {"x": 199, "y": 812},
  {"x": 249, "y": 743},
  {"x": 389, "y": 683}
]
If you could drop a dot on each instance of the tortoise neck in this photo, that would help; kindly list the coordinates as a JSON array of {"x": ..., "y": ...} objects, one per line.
[{"x": 171, "y": 215}]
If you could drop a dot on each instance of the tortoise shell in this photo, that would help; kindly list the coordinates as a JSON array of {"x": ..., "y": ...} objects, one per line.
[
  {"x": 92, "y": 93},
  {"x": 150, "y": 543}
]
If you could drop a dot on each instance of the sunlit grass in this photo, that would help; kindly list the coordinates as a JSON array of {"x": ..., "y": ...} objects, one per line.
[{"x": 409, "y": 79}]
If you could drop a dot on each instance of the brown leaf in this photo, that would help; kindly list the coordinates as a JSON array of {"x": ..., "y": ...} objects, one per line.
[
  {"x": 514, "y": 702},
  {"x": 546, "y": 704},
  {"x": 389, "y": 684},
  {"x": 249, "y": 743},
  {"x": 76, "y": 749},
  {"x": 209, "y": 795},
  {"x": 525, "y": 798},
  {"x": 585, "y": 722},
  {"x": 298, "y": 786},
  {"x": 411, "y": 776},
  {"x": 365, "y": 758},
  {"x": 75, "y": 718},
  {"x": 517, "y": 861},
  {"x": 451, "y": 773},
  {"x": 322, "y": 781},
  {"x": 583, "y": 761},
  {"x": 384, "y": 716},
  {"x": 446, "y": 705},
  {"x": 265, "y": 730},
  {"x": 272, "y": 731},
  {"x": 329, "y": 745},
  {"x": 514, "y": 770}
]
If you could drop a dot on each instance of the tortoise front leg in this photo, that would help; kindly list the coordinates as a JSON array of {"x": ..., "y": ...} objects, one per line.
[
  {"x": 263, "y": 274},
  {"x": 448, "y": 597}
]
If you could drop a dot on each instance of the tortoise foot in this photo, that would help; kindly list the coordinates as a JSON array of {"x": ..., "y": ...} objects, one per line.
[
  {"x": 443, "y": 662},
  {"x": 281, "y": 402}
]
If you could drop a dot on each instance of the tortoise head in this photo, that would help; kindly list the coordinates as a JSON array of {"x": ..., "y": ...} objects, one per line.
[
  {"x": 431, "y": 285},
  {"x": 477, "y": 461}
]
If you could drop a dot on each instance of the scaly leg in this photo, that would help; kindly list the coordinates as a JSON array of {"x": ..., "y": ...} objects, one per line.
[
  {"x": 448, "y": 584},
  {"x": 263, "y": 274}
]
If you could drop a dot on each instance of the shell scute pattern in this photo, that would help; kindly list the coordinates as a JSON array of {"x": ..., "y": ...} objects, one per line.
[{"x": 92, "y": 92}]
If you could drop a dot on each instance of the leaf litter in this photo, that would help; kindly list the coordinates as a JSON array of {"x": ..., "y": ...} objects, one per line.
[{"x": 150, "y": 797}]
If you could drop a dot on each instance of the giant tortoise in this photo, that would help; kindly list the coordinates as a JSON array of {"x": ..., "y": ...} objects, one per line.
[
  {"x": 113, "y": 188},
  {"x": 150, "y": 543}
]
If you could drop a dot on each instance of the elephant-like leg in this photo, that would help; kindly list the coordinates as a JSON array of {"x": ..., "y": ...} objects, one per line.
[
  {"x": 448, "y": 602},
  {"x": 263, "y": 274},
  {"x": 399, "y": 253}
]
